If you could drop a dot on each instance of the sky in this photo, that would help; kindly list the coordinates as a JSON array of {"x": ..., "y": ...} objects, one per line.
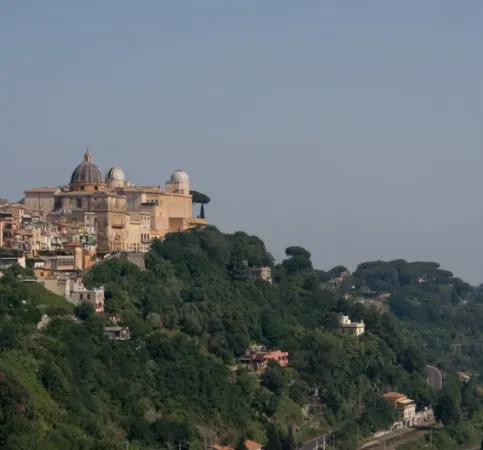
[{"x": 351, "y": 128}]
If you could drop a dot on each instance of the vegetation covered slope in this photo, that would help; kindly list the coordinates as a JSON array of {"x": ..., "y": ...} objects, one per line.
[
  {"x": 192, "y": 313},
  {"x": 445, "y": 315}
]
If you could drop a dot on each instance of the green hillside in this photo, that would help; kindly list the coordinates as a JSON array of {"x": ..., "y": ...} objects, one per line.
[
  {"x": 47, "y": 300},
  {"x": 192, "y": 314},
  {"x": 444, "y": 314}
]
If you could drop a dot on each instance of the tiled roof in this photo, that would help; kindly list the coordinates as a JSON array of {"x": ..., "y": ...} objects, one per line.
[
  {"x": 252, "y": 445},
  {"x": 393, "y": 396}
]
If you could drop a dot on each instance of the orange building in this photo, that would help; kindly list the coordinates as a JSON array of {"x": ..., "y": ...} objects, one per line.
[{"x": 258, "y": 360}]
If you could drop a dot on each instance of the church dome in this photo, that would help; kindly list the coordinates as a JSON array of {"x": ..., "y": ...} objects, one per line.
[
  {"x": 86, "y": 172},
  {"x": 115, "y": 173},
  {"x": 179, "y": 176}
]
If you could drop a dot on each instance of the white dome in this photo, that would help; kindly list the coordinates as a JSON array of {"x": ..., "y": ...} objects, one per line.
[
  {"x": 179, "y": 176},
  {"x": 116, "y": 173}
]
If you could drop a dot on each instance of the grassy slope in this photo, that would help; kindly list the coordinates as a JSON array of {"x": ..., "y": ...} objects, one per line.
[{"x": 43, "y": 298}]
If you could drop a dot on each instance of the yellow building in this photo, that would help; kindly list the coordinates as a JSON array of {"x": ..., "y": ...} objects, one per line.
[{"x": 126, "y": 217}]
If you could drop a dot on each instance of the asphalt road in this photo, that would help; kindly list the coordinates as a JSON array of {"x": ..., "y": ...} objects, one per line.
[{"x": 435, "y": 377}]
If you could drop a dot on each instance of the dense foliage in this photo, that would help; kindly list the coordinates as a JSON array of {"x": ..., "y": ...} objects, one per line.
[{"x": 192, "y": 313}]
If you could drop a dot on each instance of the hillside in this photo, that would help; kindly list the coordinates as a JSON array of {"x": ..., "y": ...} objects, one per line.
[
  {"x": 192, "y": 314},
  {"x": 422, "y": 293},
  {"x": 444, "y": 314}
]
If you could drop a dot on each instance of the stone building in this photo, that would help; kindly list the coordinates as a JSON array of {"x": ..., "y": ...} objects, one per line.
[
  {"x": 125, "y": 217},
  {"x": 260, "y": 273},
  {"x": 346, "y": 326},
  {"x": 74, "y": 291}
]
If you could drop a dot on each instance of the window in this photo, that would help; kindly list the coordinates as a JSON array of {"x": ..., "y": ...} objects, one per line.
[
  {"x": 96, "y": 188},
  {"x": 88, "y": 296},
  {"x": 82, "y": 188},
  {"x": 78, "y": 203},
  {"x": 82, "y": 296}
]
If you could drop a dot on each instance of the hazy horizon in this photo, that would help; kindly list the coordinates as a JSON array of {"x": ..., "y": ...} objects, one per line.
[{"x": 354, "y": 131}]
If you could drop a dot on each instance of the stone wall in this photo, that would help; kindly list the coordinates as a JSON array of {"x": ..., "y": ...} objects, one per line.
[{"x": 135, "y": 258}]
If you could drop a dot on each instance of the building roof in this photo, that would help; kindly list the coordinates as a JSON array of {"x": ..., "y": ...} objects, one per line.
[
  {"x": 118, "y": 328},
  {"x": 73, "y": 244},
  {"x": 153, "y": 189},
  {"x": 252, "y": 445},
  {"x": 115, "y": 173},
  {"x": 393, "y": 396},
  {"x": 405, "y": 401},
  {"x": 179, "y": 176},
  {"x": 86, "y": 172},
  {"x": 43, "y": 189},
  {"x": 221, "y": 447},
  {"x": 352, "y": 325}
]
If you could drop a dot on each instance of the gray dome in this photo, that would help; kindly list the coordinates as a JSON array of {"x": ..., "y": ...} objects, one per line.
[
  {"x": 115, "y": 173},
  {"x": 86, "y": 172},
  {"x": 179, "y": 176}
]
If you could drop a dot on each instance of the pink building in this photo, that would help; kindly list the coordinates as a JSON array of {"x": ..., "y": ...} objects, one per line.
[{"x": 258, "y": 360}]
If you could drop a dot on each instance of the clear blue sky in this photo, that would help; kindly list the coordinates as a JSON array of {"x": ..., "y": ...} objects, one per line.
[{"x": 352, "y": 128}]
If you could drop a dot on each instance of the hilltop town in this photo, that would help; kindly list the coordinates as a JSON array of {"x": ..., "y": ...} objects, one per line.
[
  {"x": 125, "y": 319},
  {"x": 61, "y": 231}
]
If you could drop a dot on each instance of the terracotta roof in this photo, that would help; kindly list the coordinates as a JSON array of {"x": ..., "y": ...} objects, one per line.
[
  {"x": 252, "y": 445},
  {"x": 393, "y": 396},
  {"x": 220, "y": 447}
]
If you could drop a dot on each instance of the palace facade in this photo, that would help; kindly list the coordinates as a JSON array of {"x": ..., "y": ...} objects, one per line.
[{"x": 123, "y": 217}]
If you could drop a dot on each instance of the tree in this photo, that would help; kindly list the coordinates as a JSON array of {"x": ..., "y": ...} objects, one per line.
[
  {"x": 447, "y": 409},
  {"x": 288, "y": 441},
  {"x": 336, "y": 271},
  {"x": 199, "y": 198},
  {"x": 297, "y": 251},
  {"x": 241, "y": 445},
  {"x": 84, "y": 310},
  {"x": 274, "y": 441},
  {"x": 272, "y": 378}
]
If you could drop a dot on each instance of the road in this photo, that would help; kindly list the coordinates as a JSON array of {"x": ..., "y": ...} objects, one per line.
[
  {"x": 397, "y": 438},
  {"x": 435, "y": 377}
]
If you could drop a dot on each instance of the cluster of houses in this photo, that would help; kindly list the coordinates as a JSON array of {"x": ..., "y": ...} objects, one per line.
[
  {"x": 26, "y": 232},
  {"x": 257, "y": 357}
]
